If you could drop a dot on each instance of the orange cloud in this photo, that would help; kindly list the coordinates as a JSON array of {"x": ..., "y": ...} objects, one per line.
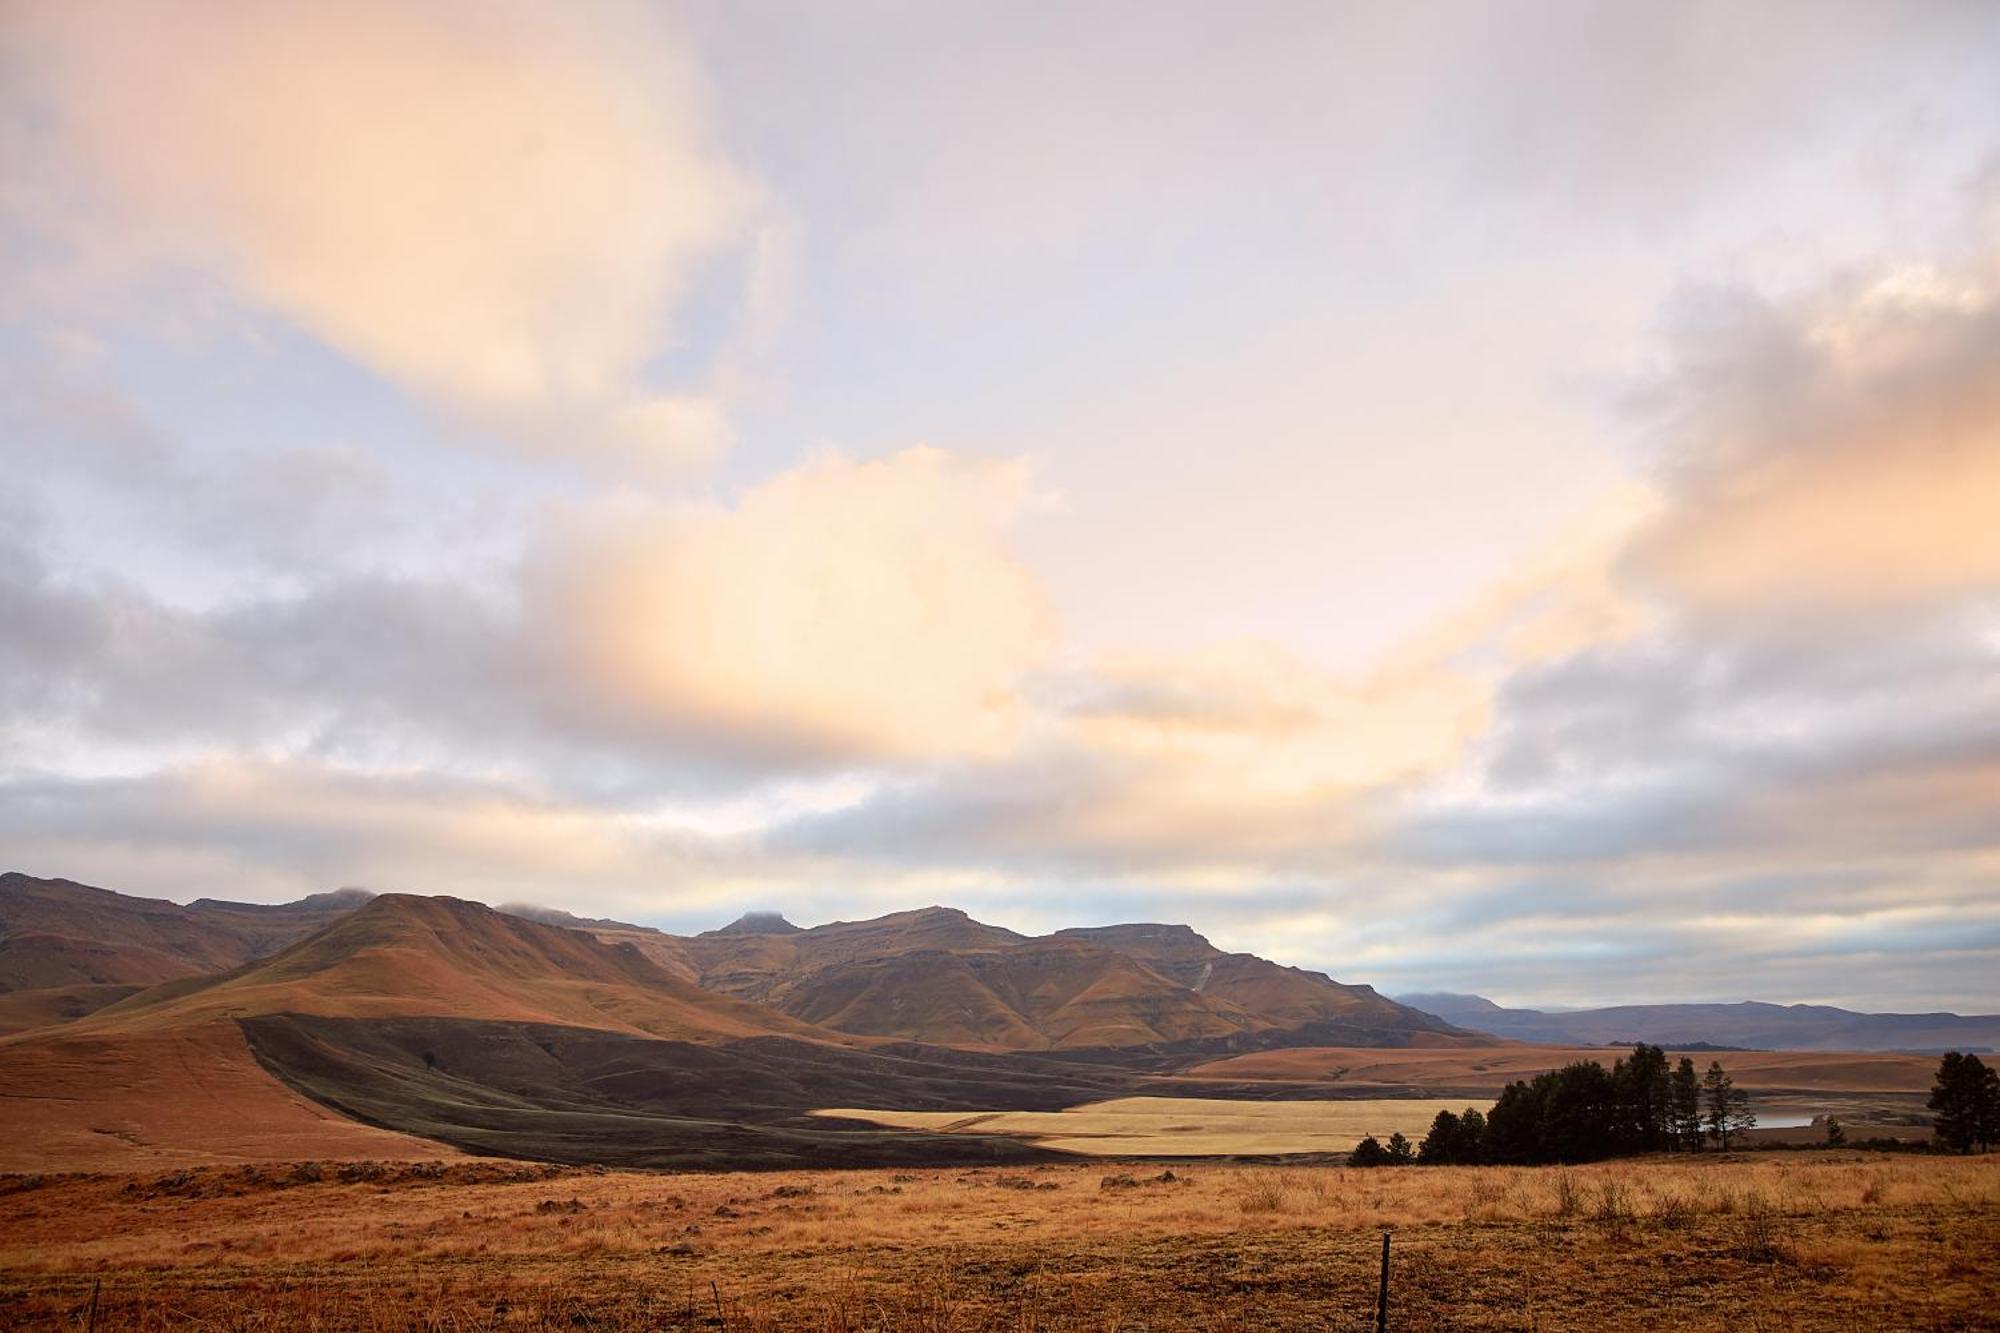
[
  {"x": 493, "y": 204},
  {"x": 1857, "y": 461},
  {"x": 863, "y": 609}
]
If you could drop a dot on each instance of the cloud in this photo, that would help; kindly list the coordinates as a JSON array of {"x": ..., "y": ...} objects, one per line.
[
  {"x": 1839, "y": 452},
  {"x": 281, "y": 828},
  {"x": 841, "y": 613},
  {"x": 495, "y": 205},
  {"x": 866, "y": 610}
]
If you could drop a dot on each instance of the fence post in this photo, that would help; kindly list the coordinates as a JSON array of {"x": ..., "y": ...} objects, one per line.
[{"x": 1382, "y": 1290}]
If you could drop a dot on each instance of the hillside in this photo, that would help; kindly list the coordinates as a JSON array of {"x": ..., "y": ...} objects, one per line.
[
  {"x": 404, "y": 956},
  {"x": 1795, "y": 1027},
  {"x": 58, "y": 934},
  {"x": 936, "y": 975},
  {"x": 166, "y": 1075}
]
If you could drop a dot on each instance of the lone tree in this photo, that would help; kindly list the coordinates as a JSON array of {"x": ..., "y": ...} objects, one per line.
[
  {"x": 1966, "y": 1098},
  {"x": 1725, "y": 1107}
]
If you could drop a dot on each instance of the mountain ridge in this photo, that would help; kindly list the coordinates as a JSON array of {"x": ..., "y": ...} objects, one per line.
[{"x": 1743, "y": 1023}]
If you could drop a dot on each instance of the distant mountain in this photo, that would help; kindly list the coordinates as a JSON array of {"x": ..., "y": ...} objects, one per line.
[
  {"x": 78, "y": 947},
  {"x": 757, "y": 923},
  {"x": 401, "y": 955},
  {"x": 936, "y": 975},
  {"x": 1751, "y": 1024}
]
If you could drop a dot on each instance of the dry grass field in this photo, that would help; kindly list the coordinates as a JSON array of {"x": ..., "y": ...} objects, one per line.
[
  {"x": 1487, "y": 1069},
  {"x": 1186, "y": 1126},
  {"x": 1773, "y": 1241}
]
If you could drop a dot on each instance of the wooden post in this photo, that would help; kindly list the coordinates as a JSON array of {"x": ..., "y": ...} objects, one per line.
[
  {"x": 95, "y": 1287},
  {"x": 1382, "y": 1291}
]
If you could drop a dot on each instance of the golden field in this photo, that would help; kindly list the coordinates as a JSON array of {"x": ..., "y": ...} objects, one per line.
[
  {"x": 1759, "y": 1241},
  {"x": 1186, "y": 1126},
  {"x": 1487, "y": 1069}
]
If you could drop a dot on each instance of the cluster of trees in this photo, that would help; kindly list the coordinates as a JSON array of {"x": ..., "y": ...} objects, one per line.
[
  {"x": 1584, "y": 1112},
  {"x": 1966, "y": 1098},
  {"x": 1370, "y": 1152}
]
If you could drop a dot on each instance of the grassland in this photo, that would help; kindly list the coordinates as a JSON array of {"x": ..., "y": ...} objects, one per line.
[
  {"x": 1487, "y": 1069},
  {"x": 1822, "y": 1240},
  {"x": 1186, "y": 1126}
]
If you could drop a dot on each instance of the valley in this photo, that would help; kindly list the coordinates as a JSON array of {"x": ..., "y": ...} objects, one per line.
[{"x": 356, "y": 1027}]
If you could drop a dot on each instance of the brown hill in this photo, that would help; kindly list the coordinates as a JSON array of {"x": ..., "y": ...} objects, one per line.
[
  {"x": 165, "y": 1075},
  {"x": 141, "y": 1101},
  {"x": 936, "y": 975},
  {"x": 406, "y": 956},
  {"x": 1277, "y": 995},
  {"x": 58, "y": 933}
]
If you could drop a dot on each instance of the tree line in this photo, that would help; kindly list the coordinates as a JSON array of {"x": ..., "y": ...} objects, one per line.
[{"x": 1584, "y": 1112}]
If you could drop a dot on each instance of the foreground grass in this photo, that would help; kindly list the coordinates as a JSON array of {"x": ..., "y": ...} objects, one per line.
[{"x": 1843, "y": 1240}]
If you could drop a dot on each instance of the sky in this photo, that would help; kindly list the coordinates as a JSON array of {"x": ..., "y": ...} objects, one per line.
[{"x": 1498, "y": 498}]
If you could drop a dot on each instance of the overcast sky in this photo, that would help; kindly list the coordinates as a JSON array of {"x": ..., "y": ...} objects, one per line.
[{"x": 1498, "y": 497}]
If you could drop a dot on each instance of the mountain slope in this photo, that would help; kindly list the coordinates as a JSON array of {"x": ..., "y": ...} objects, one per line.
[
  {"x": 166, "y": 1075},
  {"x": 58, "y": 933},
  {"x": 936, "y": 975},
  {"x": 1750, "y": 1023},
  {"x": 403, "y": 956}
]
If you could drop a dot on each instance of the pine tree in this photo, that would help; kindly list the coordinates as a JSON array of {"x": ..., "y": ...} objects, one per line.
[
  {"x": 1440, "y": 1146},
  {"x": 1471, "y": 1137},
  {"x": 1966, "y": 1098},
  {"x": 1400, "y": 1151},
  {"x": 1953, "y": 1099},
  {"x": 1719, "y": 1104},
  {"x": 1739, "y": 1117},
  {"x": 1368, "y": 1152},
  {"x": 1986, "y": 1100},
  {"x": 1644, "y": 1090},
  {"x": 1685, "y": 1095}
]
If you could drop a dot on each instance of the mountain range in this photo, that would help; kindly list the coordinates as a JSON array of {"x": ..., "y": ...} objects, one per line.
[
  {"x": 535, "y": 1033},
  {"x": 1748, "y": 1023},
  {"x": 348, "y": 1024}
]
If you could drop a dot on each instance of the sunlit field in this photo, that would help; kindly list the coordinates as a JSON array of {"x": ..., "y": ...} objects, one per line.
[
  {"x": 1186, "y": 1126},
  {"x": 1772, "y": 1241}
]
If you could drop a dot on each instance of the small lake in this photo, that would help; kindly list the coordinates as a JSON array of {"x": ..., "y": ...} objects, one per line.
[{"x": 1783, "y": 1121}]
